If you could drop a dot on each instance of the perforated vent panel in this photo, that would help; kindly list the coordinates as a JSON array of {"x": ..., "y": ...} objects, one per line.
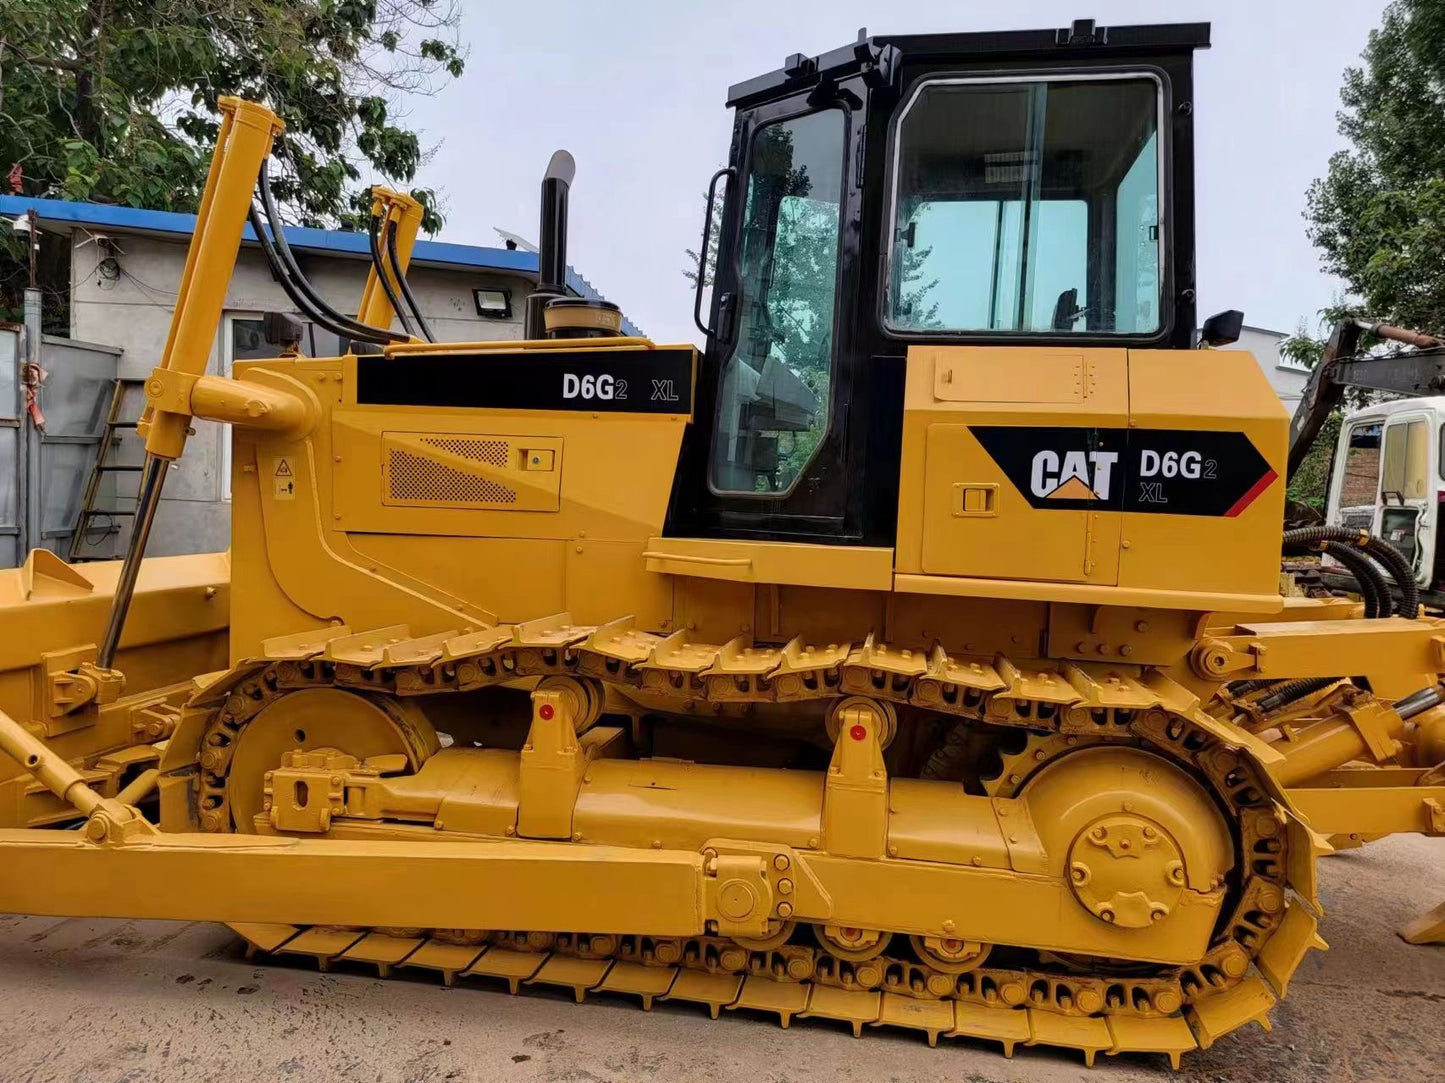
[
  {"x": 415, "y": 478},
  {"x": 496, "y": 452}
]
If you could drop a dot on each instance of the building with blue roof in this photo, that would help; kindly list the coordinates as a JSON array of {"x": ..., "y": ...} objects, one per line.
[{"x": 125, "y": 266}]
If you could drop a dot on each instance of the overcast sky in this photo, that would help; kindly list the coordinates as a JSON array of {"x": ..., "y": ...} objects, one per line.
[{"x": 635, "y": 90}]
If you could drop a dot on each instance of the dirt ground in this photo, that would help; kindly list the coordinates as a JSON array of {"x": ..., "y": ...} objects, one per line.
[{"x": 115, "y": 1001}]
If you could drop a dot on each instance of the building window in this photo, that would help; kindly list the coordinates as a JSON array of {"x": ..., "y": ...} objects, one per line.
[{"x": 243, "y": 338}]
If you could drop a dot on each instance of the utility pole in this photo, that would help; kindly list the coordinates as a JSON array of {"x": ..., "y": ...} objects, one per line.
[
  {"x": 32, "y": 421},
  {"x": 34, "y": 243}
]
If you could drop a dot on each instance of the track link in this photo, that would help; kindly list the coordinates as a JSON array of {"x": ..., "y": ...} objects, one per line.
[{"x": 1012, "y": 1007}]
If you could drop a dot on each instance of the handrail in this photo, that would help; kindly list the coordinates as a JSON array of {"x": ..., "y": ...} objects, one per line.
[
  {"x": 731, "y": 173},
  {"x": 688, "y": 558}
]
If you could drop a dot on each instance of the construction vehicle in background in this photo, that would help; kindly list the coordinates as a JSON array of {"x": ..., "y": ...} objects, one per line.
[
  {"x": 1387, "y": 473},
  {"x": 915, "y": 656}
]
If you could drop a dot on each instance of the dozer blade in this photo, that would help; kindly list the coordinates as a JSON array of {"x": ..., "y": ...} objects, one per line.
[{"x": 1427, "y": 928}]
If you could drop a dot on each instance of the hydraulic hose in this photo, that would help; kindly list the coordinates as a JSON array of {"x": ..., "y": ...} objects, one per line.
[
  {"x": 385, "y": 279},
  {"x": 1373, "y": 587},
  {"x": 395, "y": 263},
  {"x": 301, "y": 300},
  {"x": 1244, "y": 688},
  {"x": 1314, "y": 537},
  {"x": 1290, "y": 691},
  {"x": 334, "y": 321}
]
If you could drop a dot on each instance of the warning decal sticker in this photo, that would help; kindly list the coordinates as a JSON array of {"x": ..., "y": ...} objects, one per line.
[
  {"x": 1160, "y": 471},
  {"x": 283, "y": 480}
]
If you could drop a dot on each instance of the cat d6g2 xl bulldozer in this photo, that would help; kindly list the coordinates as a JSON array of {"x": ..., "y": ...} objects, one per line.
[{"x": 914, "y": 655}]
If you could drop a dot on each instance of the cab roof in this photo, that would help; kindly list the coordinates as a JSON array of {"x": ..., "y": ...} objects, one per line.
[{"x": 879, "y": 52}]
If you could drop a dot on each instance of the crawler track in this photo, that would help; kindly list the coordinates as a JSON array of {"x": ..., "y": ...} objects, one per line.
[{"x": 1084, "y": 1004}]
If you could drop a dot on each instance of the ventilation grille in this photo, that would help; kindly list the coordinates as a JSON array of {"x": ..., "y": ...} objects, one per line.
[
  {"x": 416, "y": 478},
  {"x": 495, "y": 452}
]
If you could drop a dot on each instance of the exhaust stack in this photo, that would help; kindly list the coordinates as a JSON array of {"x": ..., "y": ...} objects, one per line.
[{"x": 552, "y": 242}]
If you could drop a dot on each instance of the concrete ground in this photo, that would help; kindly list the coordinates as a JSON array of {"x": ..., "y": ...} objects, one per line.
[{"x": 116, "y": 1001}]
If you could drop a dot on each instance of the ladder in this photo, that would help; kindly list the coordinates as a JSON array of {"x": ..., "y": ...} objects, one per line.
[{"x": 108, "y": 439}]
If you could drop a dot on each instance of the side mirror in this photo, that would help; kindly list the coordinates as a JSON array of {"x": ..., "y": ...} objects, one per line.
[{"x": 1223, "y": 328}]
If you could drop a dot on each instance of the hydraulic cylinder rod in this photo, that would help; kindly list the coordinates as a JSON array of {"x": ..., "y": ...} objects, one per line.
[
  {"x": 1336, "y": 741},
  {"x": 244, "y": 142},
  {"x": 51, "y": 770}
]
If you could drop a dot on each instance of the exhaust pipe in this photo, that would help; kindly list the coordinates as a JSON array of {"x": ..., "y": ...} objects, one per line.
[{"x": 552, "y": 242}]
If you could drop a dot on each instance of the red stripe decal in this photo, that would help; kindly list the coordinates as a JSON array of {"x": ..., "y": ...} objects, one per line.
[{"x": 1248, "y": 498}]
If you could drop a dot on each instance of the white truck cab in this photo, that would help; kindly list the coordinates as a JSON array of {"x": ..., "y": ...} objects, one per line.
[{"x": 1388, "y": 478}]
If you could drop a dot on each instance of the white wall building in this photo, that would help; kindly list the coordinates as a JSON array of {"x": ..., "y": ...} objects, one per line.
[
  {"x": 126, "y": 266},
  {"x": 1286, "y": 377}
]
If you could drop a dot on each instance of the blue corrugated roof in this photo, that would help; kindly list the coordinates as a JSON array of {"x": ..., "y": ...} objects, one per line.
[{"x": 436, "y": 253}]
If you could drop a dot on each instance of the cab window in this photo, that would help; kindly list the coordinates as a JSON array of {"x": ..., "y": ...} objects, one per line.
[
  {"x": 1027, "y": 206},
  {"x": 773, "y": 401},
  {"x": 1406, "y": 472},
  {"x": 1360, "y": 480}
]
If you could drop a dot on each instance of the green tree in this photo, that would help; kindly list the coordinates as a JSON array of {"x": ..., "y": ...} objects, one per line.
[
  {"x": 1310, "y": 484},
  {"x": 115, "y": 100},
  {"x": 1378, "y": 215}
]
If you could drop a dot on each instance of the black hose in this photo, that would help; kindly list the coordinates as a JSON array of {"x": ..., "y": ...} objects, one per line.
[
  {"x": 1314, "y": 537},
  {"x": 395, "y": 261},
  {"x": 299, "y": 298},
  {"x": 336, "y": 322},
  {"x": 1373, "y": 587},
  {"x": 380, "y": 266},
  {"x": 1292, "y": 690},
  {"x": 1244, "y": 688}
]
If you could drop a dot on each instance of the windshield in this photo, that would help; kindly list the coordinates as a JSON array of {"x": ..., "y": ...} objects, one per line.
[
  {"x": 1028, "y": 206},
  {"x": 773, "y": 403}
]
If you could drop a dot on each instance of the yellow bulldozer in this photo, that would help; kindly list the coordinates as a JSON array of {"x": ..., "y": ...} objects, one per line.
[{"x": 914, "y": 655}]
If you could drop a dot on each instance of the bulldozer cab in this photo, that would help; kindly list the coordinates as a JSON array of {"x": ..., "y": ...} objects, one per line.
[{"x": 983, "y": 189}]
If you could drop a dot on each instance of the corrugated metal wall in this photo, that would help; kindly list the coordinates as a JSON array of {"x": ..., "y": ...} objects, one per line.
[
  {"x": 11, "y": 480},
  {"x": 74, "y": 399}
]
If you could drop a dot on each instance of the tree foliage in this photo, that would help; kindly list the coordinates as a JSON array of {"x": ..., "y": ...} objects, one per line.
[
  {"x": 1378, "y": 215},
  {"x": 1310, "y": 483},
  {"x": 115, "y": 100}
]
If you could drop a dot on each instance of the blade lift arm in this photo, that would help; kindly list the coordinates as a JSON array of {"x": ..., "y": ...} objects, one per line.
[
  {"x": 179, "y": 388},
  {"x": 395, "y": 222}
]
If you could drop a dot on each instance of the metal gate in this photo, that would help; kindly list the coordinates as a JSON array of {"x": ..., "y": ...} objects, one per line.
[{"x": 42, "y": 475}]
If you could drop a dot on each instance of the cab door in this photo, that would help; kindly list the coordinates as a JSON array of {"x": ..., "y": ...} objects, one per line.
[
  {"x": 1406, "y": 496},
  {"x": 786, "y": 403}
]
